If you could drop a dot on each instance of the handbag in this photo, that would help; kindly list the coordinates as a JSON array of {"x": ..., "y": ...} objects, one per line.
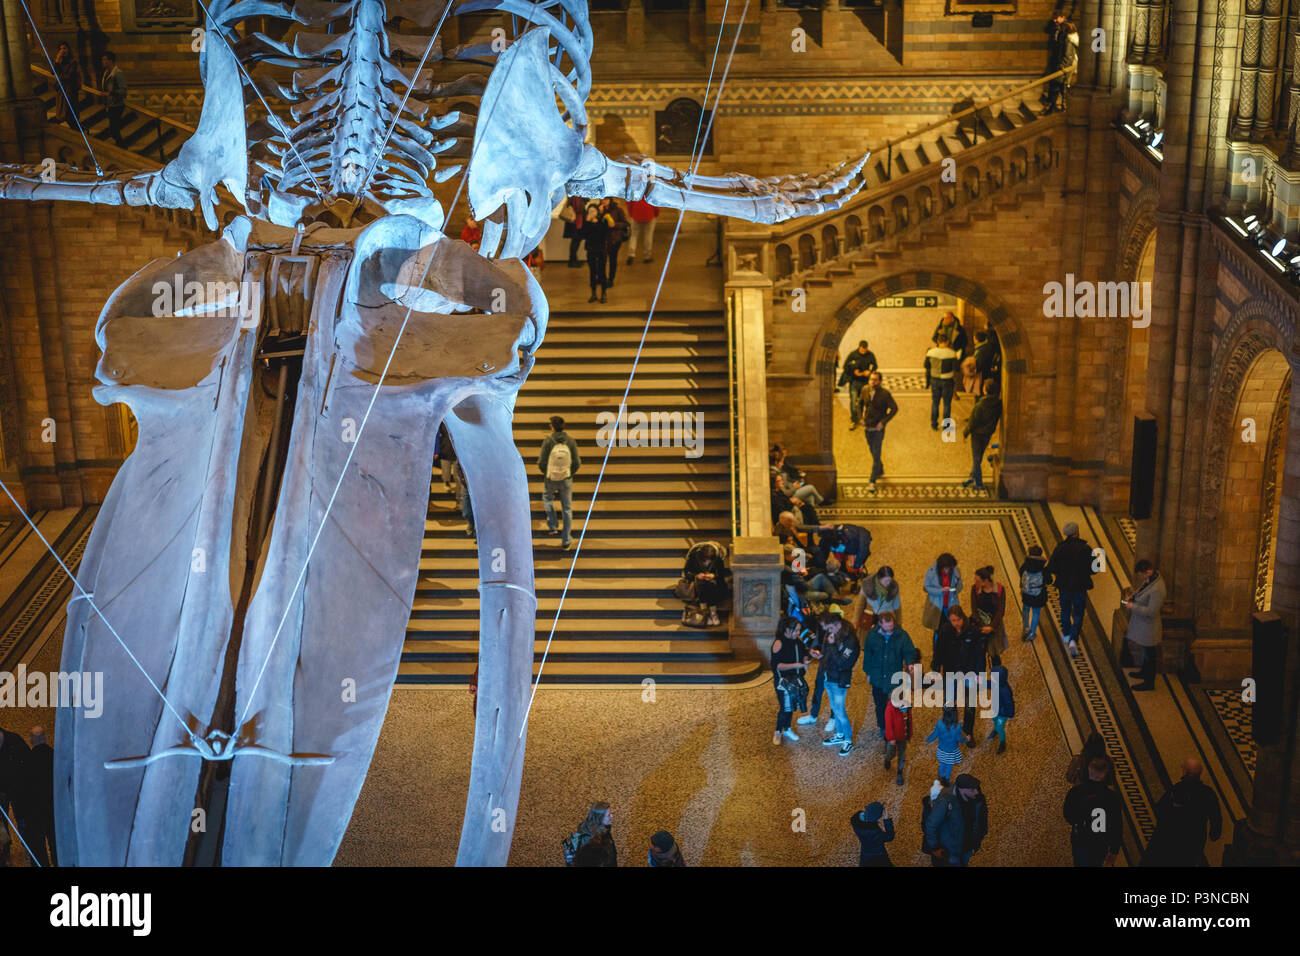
[
  {"x": 567, "y": 213},
  {"x": 930, "y": 617},
  {"x": 685, "y": 589}
]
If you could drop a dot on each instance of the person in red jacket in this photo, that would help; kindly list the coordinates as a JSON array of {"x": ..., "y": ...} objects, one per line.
[
  {"x": 643, "y": 217},
  {"x": 898, "y": 731},
  {"x": 472, "y": 233}
]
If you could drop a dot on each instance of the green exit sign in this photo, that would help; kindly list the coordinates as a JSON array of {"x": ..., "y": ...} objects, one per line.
[{"x": 907, "y": 302}]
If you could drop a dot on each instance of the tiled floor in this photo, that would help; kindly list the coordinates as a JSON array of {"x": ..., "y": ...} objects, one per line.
[{"x": 1235, "y": 714}]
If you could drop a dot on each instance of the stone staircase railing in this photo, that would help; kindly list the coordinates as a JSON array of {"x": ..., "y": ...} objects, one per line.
[{"x": 912, "y": 183}]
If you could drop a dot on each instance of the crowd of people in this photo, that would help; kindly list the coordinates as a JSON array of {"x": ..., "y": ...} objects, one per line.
[
  {"x": 952, "y": 360},
  {"x": 601, "y": 227}
]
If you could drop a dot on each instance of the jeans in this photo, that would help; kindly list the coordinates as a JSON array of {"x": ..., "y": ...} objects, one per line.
[
  {"x": 1072, "y": 605},
  {"x": 978, "y": 444},
  {"x": 875, "y": 443},
  {"x": 824, "y": 584},
  {"x": 941, "y": 388},
  {"x": 880, "y": 697},
  {"x": 818, "y": 688},
  {"x": 564, "y": 489},
  {"x": 1031, "y": 620},
  {"x": 855, "y": 398},
  {"x": 809, "y": 494},
  {"x": 837, "y": 693},
  {"x": 1000, "y": 728}
]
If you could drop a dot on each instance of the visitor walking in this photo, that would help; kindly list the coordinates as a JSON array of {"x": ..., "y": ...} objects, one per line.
[
  {"x": 1183, "y": 816},
  {"x": 898, "y": 732},
  {"x": 1004, "y": 701},
  {"x": 839, "y": 652},
  {"x": 1071, "y": 565},
  {"x": 1034, "y": 579},
  {"x": 961, "y": 652},
  {"x": 941, "y": 378},
  {"x": 950, "y": 327},
  {"x": 789, "y": 660},
  {"x": 887, "y": 651},
  {"x": 988, "y": 605},
  {"x": 40, "y": 799},
  {"x": 873, "y": 830},
  {"x": 643, "y": 216},
  {"x": 1093, "y": 747},
  {"x": 113, "y": 84},
  {"x": 558, "y": 463},
  {"x": 942, "y": 585},
  {"x": 980, "y": 428},
  {"x": 947, "y": 737},
  {"x": 68, "y": 71},
  {"x": 878, "y": 409},
  {"x": 592, "y": 844},
  {"x": 1095, "y": 814},
  {"x": 858, "y": 365},
  {"x": 958, "y": 823},
  {"x": 1144, "y": 623}
]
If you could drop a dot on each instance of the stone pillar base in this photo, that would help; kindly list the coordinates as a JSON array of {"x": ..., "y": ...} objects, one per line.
[{"x": 756, "y": 604}]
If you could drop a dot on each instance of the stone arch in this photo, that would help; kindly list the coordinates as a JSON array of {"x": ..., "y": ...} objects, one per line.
[
  {"x": 1019, "y": 165},
  {"x": 853, "y": 232},
  {"x": 784, "y": 261},
  {"x": 996, "y": 173},
  {"x": 1015, "y": 344},
  {"x": 807, "y": 252},
  {"x": 1252, "y": 334},
  {"x": 830, "y": 242},
  {"x": 902, "y": 213},
  {"x": 924, "y": 202}
]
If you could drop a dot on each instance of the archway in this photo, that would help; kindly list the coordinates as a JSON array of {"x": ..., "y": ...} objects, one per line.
[
  {"x": 1254, "y": 458},
  {"x": 977, "y": 302}
]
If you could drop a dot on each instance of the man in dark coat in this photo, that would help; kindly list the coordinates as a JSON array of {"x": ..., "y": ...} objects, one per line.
[
  {"x": 1182, "y": 818},
  {"x": 858, "y": 365},
  {"x": 957, "y": 823},
  {"x": 878, "y": 408},
  {"x": 983, "y": 424},
  {"x": 873, "y": 833},
  {"x": 1071, "y": 566},
  {"x": 1096, "y": 817},
  {"x": 13, "y": 787}
]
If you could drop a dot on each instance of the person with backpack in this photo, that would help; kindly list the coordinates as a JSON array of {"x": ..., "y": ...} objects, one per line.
[
  {"x": 1034, "y": 579},
  {"x": 1095, "y": 814},
  {"x": 941, "y": 364},
  {"x": 1004, "y": 701},
  {"x": 592, "y": 844},
  {"x": 957, "y": 823},
  {"x": 839, "y": 653},
  {"x": 1071, "y": 565},
  {"x": 558, "y": 463},
  {"x": 873, "y": 830}
]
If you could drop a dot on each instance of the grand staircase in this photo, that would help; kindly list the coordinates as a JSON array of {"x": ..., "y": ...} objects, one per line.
[{"x": 620, "y": 622}]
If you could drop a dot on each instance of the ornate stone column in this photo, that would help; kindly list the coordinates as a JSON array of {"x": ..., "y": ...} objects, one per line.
[{"x": 1261, "y": 28}]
